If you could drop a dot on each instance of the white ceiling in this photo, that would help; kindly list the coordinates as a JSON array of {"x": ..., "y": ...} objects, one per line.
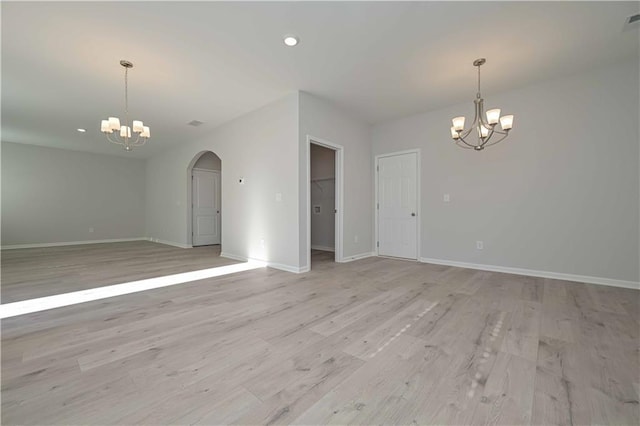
[{"x": 215, "y": 61}]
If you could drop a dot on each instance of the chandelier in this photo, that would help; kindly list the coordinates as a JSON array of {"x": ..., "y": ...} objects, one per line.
[
  {"x": 108, "y": 126},
  {"x": 484, "y": 129}
]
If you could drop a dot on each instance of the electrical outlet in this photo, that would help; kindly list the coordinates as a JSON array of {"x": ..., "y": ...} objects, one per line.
[
  {"x": 90, "y": 230},
  {"x": 355, "y": 239},
  {"x": 262, "y": 243},
  {"x": 479, "y": 245},
  {"x": 447, "y": 198},
  {"x": 278, "y": 196},
  {"x": 241, "y": 181}
]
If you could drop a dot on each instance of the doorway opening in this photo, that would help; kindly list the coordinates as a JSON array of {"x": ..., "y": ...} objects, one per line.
[
  {"x": 205, "y": 188},
  {"x": 324, "y": 201}
]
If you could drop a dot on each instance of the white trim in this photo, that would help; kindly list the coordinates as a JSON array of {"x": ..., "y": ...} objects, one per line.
[
  {"x": 72, "y": 243},
  {"x": 280, "y": 266},
  {"x": 233, "y": 256},
  {"x": 357, "y": 257},
  {"x": 170, "y": 243},
  {"x": 534, "y": 273},
  {"x": 339, "y": 194},
  {"x": 289, "y": 268},
  {"x": 322, "y": 248},
  {"x": 198, "y": 169},
  {"x": 416, "y": 151}
]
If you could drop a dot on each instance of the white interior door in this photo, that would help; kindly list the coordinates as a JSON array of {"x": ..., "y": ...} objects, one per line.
[
  {"x": 206, "y": 207},
  {"x": 397, "y": 206}
]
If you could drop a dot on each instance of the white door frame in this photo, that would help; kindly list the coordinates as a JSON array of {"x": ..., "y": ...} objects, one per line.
[
  {"x": 418, "y": 203},
  {"x": 339, "y": 169},
  {"x": 217, "y": 172}
]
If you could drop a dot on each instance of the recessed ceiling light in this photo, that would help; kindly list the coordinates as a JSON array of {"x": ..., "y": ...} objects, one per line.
[
  {"x": 82, "y": 130},
  {"x": 290, "y": 40}
]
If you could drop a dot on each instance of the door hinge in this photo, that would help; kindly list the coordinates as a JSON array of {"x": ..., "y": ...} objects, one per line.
[
  {"x": 378, "y": 206},
  {"x": 378, "y": 244},
  {"x": 377, "y": 168}
]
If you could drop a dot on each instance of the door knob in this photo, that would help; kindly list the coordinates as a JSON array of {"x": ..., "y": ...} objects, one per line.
[{"x": 413, "y": 214}]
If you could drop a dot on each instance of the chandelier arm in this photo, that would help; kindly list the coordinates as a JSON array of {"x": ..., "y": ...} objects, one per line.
[
  {"x": 500, "y": 132},
  {"x": 486, "y": 124},
  {"x": 117, "y": 142},
  {"x": 475, "y": 116},
  {"x": 466, "y": 143},
  {"x": 466, "y": 133},
  {"x": 140, "y": 141},
  {"x": 135, "y": 142},
  {"x": 462, "y": 146},
  {"x": 498, "y": 141},
  {"x": 486, "y": 139}
]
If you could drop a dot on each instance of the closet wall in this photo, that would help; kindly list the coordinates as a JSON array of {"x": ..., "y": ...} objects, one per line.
[{"x": 323, "y": 198}]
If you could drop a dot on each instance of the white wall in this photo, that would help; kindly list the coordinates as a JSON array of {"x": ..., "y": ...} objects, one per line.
[
  {"x": 561, "y": 194},
  {"x": 261, "y": 147},
  {"x": 53, "y": 195},
  {"x": 323, "y": 120},
  {"x": 323, "y": 194}
]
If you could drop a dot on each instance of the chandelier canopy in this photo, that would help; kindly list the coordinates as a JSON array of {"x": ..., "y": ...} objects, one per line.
[
  {"x": 484, "y": 129},
  {"x": 108, "y": 126}
]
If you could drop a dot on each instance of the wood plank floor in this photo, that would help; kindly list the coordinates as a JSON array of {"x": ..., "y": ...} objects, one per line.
[
  {"x": 39, "y": 272},
  {"x": 376, "y": 341}
]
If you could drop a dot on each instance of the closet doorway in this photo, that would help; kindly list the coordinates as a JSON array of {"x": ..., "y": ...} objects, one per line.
[{"x": 324, "y": 200}]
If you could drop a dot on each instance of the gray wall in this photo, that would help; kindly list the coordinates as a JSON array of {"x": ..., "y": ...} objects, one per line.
[
  {"x": 208, "y": 161},
  {"x": 323, "y": 120},
  {"x": 561, "y": 194},
  {"x": 53, "y": 195},
  {"x": 262, "y": 148},
  {"x": 323, "y": 194}
]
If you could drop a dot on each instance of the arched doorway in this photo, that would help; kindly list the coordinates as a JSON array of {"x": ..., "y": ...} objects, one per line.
[{"x": 205, "y": 200}]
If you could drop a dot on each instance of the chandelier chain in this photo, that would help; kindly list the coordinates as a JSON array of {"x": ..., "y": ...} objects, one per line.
[
  {"x": 126, "y": 97},
  {"x": 478, "y": 94}
]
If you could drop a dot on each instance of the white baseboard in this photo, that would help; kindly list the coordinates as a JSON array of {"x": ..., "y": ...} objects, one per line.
[
  {"x": 534, "y": 273},
  {"x": 322, "y": 248},
  {"x": 71, "y": 243},
  {"x": 289, "y": 268},
  {"x": 168, "y": 243},
  {"x": 347, "y": 259},
  {"x": 274, "y": 265},
  {"x": 233, "y": 256}
]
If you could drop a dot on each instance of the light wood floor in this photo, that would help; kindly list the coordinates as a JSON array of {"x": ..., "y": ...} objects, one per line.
[
  {"x": 376, "y": 341},
  {"x": 38, "y": 272}
]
